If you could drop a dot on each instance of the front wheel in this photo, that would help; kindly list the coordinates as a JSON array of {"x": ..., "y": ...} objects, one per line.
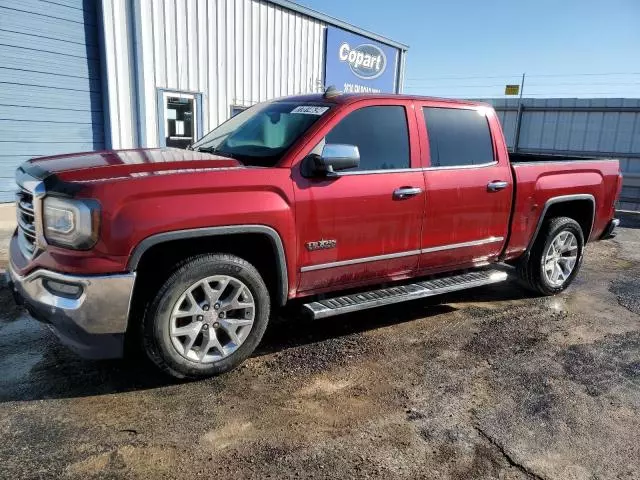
[
  {"x": 556, "y": 257},
  {"x": 207, "y": 318}
]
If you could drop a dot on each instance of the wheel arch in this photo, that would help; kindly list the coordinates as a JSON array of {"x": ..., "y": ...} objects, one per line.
[
  {"x": 584, "y": 212},
  {"x": 274, "y": 240}
]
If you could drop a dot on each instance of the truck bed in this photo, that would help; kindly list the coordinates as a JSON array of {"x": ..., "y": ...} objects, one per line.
[{"x": 539, "y": 178}]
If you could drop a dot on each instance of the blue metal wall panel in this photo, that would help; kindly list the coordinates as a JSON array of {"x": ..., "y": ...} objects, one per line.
[
  {"x": 39, "y": 24},
  {"x": 63, "y": 99},
  {"x": 42, "y": 114},
  {"x": 50, "y": 80},
  {"x": 55, "y": 10},
  {"x": 49, "y": 132},
  {"x": 50, "y": 84},
  {"x": 43, "y": 149},
  {"x": 29, "y": 60},
  {"x": 33, "y": 42}
]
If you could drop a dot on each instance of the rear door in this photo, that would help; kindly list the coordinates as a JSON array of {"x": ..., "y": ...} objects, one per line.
[
  {"x": 469, "y": 186},
  {"x": 358, "y": 227}
]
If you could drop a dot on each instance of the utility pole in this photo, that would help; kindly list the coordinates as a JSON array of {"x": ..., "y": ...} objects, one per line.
[
  {"x": 521, "y": 87},
  {"x": 516, "y": 130}
]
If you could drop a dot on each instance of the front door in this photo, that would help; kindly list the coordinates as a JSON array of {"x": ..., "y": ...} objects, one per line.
[
  {"x": 359, "y": 227},
  {"x": 469, "y": 187}
]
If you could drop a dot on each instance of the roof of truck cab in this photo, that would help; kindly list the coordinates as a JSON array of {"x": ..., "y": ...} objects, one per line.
[{"x": 345, "y": 98}]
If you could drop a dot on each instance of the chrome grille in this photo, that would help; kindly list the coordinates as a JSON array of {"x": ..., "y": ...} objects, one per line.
[{"x": 26, "y": 222}]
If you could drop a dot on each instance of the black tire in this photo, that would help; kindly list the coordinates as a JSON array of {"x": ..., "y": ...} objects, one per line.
[
  {"x": 531, "y": 268},
  {"x": 155, "y": 328}
]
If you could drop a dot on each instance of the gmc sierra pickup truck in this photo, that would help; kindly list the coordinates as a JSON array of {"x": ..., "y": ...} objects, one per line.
[{"x": 333, "y": 202}]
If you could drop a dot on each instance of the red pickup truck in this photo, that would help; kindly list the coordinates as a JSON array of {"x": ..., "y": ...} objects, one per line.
[{"x": 340, "y": 202}]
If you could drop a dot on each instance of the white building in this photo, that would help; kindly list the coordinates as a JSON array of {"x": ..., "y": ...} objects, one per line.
[{"x": 83, "y": 75}]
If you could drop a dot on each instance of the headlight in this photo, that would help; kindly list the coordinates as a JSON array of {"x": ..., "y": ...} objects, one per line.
[{"x": 72, "y": 223}]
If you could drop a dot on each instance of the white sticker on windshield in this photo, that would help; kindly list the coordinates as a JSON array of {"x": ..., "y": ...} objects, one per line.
[{"x": 310, "y": 110}]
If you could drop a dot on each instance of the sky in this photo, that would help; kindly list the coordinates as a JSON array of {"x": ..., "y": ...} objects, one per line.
[{"x": 472, "y": 48}]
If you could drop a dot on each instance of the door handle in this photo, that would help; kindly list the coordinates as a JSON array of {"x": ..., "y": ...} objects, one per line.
[
  {"x": 497, "y": 186},
  {"x": 406, "y": 192}
]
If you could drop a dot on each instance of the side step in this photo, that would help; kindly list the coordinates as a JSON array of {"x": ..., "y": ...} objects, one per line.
[{"x": 386, "y": 296}]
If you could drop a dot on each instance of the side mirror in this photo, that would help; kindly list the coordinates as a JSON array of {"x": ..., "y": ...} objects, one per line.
[{"x": 334, "y": 157}]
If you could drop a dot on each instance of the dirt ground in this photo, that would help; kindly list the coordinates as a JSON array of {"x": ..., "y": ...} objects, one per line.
[{"x": 489, "y": 383}]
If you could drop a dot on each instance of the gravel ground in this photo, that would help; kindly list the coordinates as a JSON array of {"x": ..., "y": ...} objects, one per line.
[{"x": 489, "y": 383}]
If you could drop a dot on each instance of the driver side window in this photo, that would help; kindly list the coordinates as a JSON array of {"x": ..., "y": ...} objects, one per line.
[{"x": 380, "y": 133}]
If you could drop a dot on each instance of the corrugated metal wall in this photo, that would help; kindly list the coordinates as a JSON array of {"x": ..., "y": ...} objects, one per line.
[
  {"x": 234, "y": 52},
  {"x": 606, "y": 127},
  {"x": 50, "y": 88}
]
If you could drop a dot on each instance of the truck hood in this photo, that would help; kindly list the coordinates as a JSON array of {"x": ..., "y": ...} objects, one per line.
[{"x": 111, "y": 164}]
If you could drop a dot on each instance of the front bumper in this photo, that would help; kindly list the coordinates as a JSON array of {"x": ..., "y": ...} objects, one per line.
[{"x": 88, "y": 313}]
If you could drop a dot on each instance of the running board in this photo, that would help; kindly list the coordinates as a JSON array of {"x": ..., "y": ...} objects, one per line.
[{"x": 402, "y": 293}]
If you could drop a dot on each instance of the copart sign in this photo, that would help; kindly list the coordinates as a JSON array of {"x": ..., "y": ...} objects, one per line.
[
  {"x": 358, "y": 64},
  {"x": 365, "y": 61}
]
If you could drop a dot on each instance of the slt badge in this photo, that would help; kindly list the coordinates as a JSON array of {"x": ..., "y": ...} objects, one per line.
[{"x": 321, "y": 245}]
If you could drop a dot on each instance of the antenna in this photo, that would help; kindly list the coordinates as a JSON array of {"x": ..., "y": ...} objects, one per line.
[{"x": 331, "y": 92}]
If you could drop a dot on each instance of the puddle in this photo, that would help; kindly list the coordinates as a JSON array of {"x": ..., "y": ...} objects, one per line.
[
  {"x": 605, "y": 364},
  {"x": 22, "y": 331},
  {"x": 627, "y": 291},
  {"x": 17, "y": 366}
]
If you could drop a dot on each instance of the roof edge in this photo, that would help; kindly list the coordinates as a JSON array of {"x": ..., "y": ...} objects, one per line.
[{"x": 337, "y": 23}]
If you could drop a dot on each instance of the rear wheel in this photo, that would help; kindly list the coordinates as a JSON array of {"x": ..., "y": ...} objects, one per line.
[
  {"x": 207, "y": 318},
  {"x": 556, "y": 256}
]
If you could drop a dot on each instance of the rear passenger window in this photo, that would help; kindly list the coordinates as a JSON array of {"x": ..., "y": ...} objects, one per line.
[
  {"x": 458, "y": 137},
  {"x": 380, "y": 133}
]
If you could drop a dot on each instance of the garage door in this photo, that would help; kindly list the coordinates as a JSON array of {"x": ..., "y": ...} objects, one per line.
[{"x": 50, "y": 99}]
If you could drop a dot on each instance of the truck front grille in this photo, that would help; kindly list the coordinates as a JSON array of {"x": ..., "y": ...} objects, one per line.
[{"x": 26, "y": 222}]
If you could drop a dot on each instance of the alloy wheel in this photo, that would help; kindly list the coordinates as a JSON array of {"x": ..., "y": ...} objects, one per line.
[
  {"x": 560, "y": 258},
  {"x": 212, "y": 318}
]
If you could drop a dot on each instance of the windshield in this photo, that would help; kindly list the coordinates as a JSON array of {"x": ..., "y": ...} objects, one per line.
[{"x": 262, "y": 134}]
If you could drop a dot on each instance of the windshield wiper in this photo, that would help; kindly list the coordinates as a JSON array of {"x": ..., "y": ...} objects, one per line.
[{"x": 215, "y": 151}]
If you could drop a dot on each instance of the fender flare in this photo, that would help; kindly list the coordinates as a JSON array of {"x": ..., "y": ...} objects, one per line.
[
  {"x": 274, "y": 237},
  {"x": 562, "y": 199}
]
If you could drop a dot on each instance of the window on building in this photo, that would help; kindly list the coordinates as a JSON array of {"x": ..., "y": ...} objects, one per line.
[
  {"x": 380, "y": 133},
  {"x": 458, "y": 137},
  {"x": 179, "y": 119}
]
